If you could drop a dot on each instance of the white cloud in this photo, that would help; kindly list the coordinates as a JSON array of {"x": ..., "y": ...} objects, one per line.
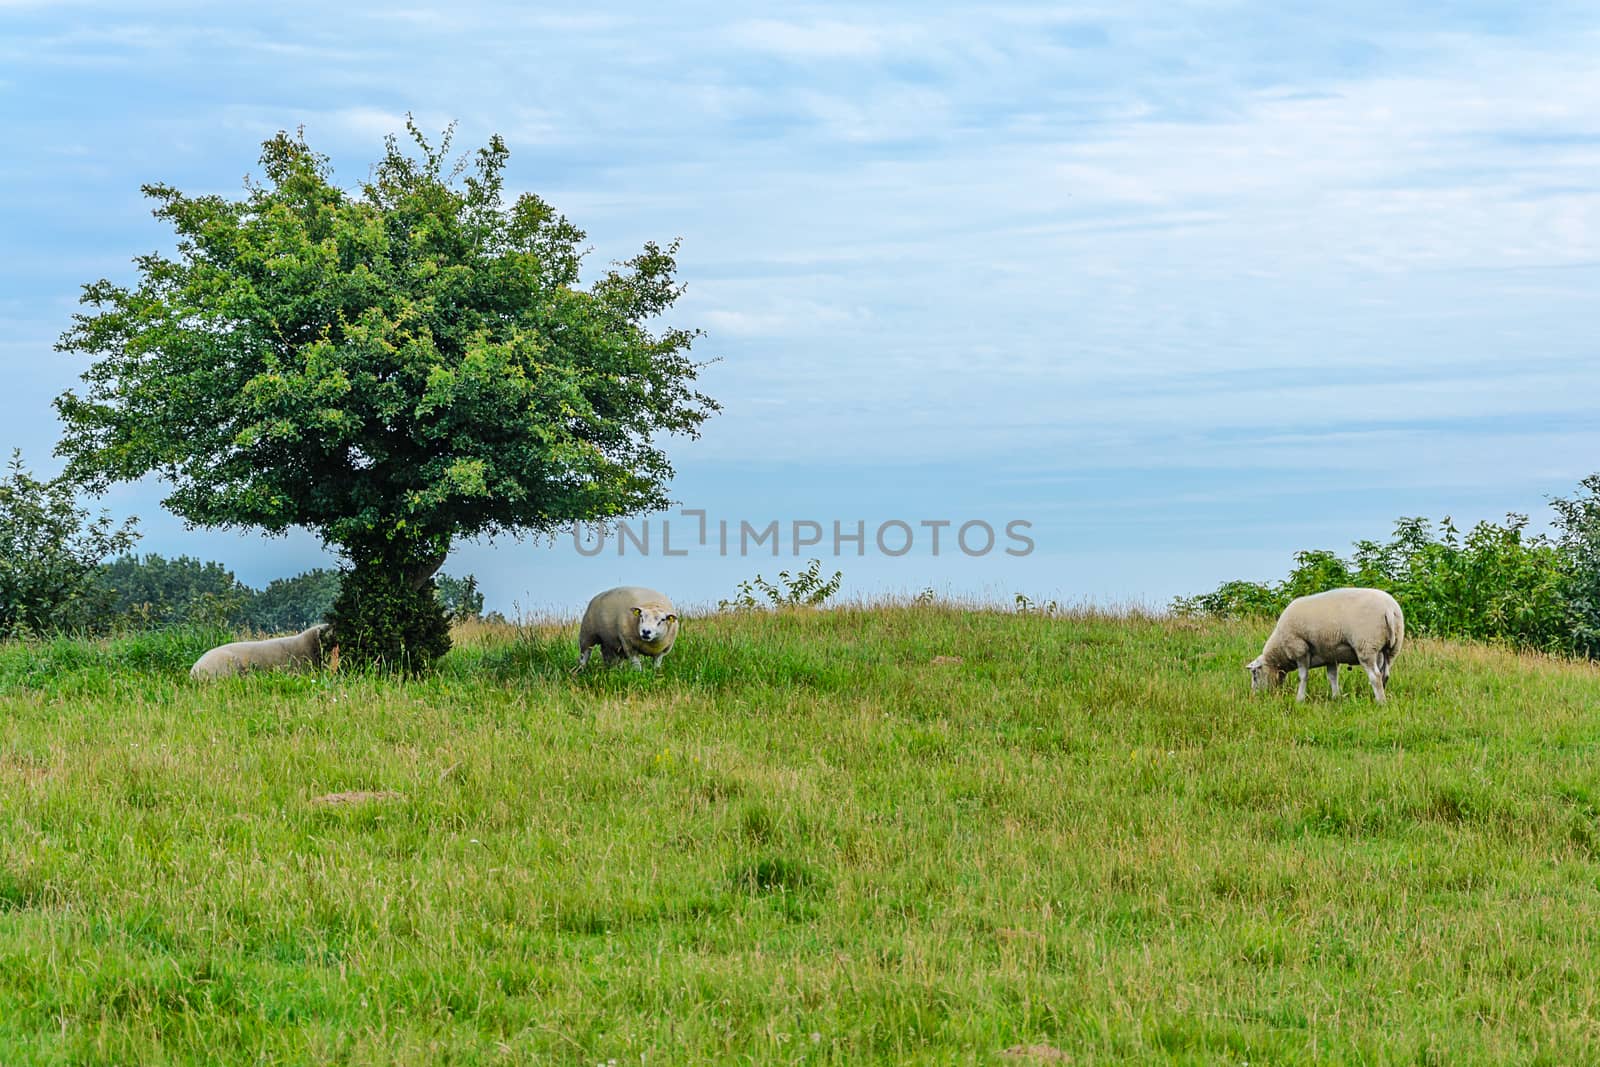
[
  {"x": 365, "y": 125},
  {"x": 822, "y": 39},
  {"x": 370, "y": 122},
  {"x": 792, "y": 318},
  {"x": 743, "y": 323}
]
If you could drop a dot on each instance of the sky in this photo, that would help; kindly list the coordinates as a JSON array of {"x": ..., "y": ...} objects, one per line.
[{"x": 1184, "y": 287}]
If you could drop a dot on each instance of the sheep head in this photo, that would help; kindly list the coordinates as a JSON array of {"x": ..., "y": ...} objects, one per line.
[
  {"x": 1263, "y": 676},
  {"x": 655, "y": 624}
]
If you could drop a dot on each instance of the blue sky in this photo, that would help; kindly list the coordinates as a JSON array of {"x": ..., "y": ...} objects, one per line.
[{"x": 1187, "y": 286}]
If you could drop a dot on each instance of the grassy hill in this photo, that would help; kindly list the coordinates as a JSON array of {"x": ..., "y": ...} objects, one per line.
[{"x": 806, "y": 842}]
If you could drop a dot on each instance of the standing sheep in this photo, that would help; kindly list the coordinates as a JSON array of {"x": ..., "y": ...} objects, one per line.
[
  {"x": 304, "y": 649},
  {"x": 627, "y": 621},
  {"x": 1356, "y": 626}
]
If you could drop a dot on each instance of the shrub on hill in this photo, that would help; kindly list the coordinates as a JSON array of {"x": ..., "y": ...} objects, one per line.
[
  {"x": 50, "y": 555},
  {"x": 1496, "y": 582}
]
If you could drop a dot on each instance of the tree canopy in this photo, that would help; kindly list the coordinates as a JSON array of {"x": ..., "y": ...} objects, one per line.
[{"x": 394, "y": 367}]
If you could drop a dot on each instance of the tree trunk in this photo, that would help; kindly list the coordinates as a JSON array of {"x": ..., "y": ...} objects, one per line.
[
  {"x": 420, "y": 572},
  {"x": 388, "y": 613}
]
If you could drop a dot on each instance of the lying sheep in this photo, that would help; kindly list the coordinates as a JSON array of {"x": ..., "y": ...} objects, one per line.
[
  {"x": 627, "y": 621},
  {"x": 1357, "y": 626},
  {"x": 304, "y": 649}
]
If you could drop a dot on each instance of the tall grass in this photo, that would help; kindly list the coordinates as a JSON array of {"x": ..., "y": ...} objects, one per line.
[{"x": 805, "y": 841}]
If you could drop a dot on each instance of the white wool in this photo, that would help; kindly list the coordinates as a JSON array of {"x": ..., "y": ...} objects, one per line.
[
  {"x": 298, "y": 650},
  {"x": 618, "y": 620},
  {"x": 1341, "y": 626}
]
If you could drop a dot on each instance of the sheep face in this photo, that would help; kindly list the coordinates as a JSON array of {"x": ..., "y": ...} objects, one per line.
[
  {"x": 655, "y": 626},
  {"x": 1263, "y": 676}
]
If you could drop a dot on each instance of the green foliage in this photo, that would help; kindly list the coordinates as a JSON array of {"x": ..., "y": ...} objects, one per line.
[
  {"x": 1234, "y": 600},
  {"x": 50, "y": 556},
  {"x": 807, "y": 588},
  {"x": 1315, "y": 571},
  {"x": 1026, "y": 605},
  {"x": 293, "y": 604},
  {"x": 383, "y": 619},
  {"x": 460, "y": 596},
  {"x": 1496, "y": 583},
  {"x": 1578, "y": 527},
  {"x": 152, "y": 591},
  {"x": 393, "y": 367}
]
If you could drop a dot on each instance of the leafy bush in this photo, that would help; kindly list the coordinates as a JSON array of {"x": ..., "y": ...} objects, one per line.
[
  {"x": 50, "y": 556},
  {"x": 1578, "y": 536},
  {"x": 806, "y": 588},
  {"x": 1234, "y": 600},
  {"x": 1496, "y": 583}
]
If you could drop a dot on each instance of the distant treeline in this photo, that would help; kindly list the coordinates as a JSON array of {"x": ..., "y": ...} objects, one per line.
[
  {"x": 55, "y": 576},
  {"x": 146, "y": 592},
  {"x": 1496, "y": 582},
  {"x": 151, "y": 591}
]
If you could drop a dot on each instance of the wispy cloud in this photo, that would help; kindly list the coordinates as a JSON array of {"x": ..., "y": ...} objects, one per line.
[
  {"x": 1201, "y": 240},
  {"x": 820, "y": 39}
]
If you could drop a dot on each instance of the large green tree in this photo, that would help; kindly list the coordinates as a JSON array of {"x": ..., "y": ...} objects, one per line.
[{"x": 393, "y": 367}]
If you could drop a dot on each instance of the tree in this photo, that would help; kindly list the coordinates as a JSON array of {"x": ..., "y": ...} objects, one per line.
[
  {"x": 1578, "y": 534},
  {"x": 157, "y": 591},
  {"x": 50, "y": 556},
  {"x": 394, "y": 367},
  {"x": 293, "y": 603},
  {"x": 461, "y": 597}
]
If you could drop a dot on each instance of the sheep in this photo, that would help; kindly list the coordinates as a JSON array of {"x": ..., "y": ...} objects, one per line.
[
  {"x": 302, "y": 649},
  {"x": 1357, "y": 626},
  {"x": 627, "y": 621}
]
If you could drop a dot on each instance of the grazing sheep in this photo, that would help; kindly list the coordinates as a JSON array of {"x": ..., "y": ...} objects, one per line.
[
  {"x": 627, "y": 621},
  {"x": 1356, "y": 626},
  {"x": 301, "y": 650}
]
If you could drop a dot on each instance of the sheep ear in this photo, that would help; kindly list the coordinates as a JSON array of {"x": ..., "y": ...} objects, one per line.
[
  {"x": 637, "y": 612},
  {"x": 670, "y": 618}
]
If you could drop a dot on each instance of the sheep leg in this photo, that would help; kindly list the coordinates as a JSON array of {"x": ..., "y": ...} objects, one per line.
[
  {"x": 1375, "y": 676},
  {"x": 1304, "y": 667},
  {"x": 1384, "y": 660},
  {"x": 583, "y": 659},
  {"x": 658, "y": 660},
  {"x": 1333, "y": 678},
  {"x": 638, "y": 664}
]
